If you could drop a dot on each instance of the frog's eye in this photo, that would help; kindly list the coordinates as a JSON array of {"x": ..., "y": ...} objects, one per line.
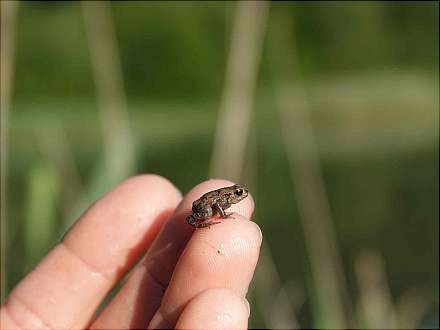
[{"x": 239, "y": 192}]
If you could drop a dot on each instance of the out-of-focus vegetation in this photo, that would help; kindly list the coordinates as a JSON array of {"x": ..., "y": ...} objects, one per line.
[{"x": 370, "y": 72}]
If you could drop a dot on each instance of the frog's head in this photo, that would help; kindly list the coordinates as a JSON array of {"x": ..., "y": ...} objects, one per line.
[{"x": 239, "y": 192}]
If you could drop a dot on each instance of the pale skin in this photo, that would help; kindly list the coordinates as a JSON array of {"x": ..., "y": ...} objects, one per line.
[{"x": 187, "y": 278}]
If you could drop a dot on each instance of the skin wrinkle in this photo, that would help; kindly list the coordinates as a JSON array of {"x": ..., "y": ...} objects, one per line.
[
  {"x": 124, "y": 306},
  {"x": 93, "y": 270},
  {"x": 160, "y": 321},
  {"x": 156, "y": 280},
  {"x": 156, "y": 267},
  {"x": 60, "y": 279},
  {"x": 226, "y": 311},
  {"x": 10, "y": 320},
  {"x": 35, "y": 316},
  {"x": 6, "y": 321}
]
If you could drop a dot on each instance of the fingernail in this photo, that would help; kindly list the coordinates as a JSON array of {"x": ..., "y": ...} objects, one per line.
[
  {"x": 261, "y": 233},
  {"x": 248, "y": 306}
]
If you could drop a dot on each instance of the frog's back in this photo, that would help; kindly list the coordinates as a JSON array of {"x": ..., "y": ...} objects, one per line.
[
  {"x": 211, "y": 196},
  {"x": 201, "y": 203},
  {"x": 205, "y": 200}
]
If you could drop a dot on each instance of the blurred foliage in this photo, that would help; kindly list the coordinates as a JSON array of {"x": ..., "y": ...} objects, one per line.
[
  {"x": 177, "y": 49},
  {"x": 371, "y": 70}
]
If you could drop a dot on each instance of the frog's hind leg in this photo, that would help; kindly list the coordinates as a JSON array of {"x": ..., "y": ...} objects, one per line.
[
  {"x": 205, "y": 224},
  {"x": 197, "y": 223},
  {"x": 191, "y": 220}
]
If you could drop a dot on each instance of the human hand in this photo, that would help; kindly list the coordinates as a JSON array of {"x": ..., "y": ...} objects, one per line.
[{"x": 187, "y": 278}]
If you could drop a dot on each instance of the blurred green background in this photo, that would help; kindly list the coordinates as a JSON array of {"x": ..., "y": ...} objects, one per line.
[{"x": 369, "y": 72}]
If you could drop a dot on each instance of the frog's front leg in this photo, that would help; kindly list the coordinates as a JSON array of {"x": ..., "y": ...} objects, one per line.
[{"x": 221, "y": 211}]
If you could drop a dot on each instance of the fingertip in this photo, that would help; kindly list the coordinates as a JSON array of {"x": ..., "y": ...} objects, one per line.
[
  {"x": 215, "y": 309},
  {"x": 222, "y": 248},
  {"x": 120, "y": 226},
  {"x": 163, "y": 188},
  {"x": 235, "y": 232}
]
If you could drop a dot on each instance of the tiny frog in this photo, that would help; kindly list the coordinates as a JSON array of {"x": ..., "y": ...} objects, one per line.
[{"x": 215, "y": 203}]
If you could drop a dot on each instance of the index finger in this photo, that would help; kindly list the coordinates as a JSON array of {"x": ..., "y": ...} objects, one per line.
[{"x": 64, "y": 290}]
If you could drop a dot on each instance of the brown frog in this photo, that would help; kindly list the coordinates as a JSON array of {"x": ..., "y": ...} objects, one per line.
[{"x": 215, "y": 203}]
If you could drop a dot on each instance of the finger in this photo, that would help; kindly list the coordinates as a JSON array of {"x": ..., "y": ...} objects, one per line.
[
  {"x": 138, "y": 300},
  {"x": 223, "y": 256},
  {"x": 64, "y": 290},
  {"x": 215, "y": 309}
]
